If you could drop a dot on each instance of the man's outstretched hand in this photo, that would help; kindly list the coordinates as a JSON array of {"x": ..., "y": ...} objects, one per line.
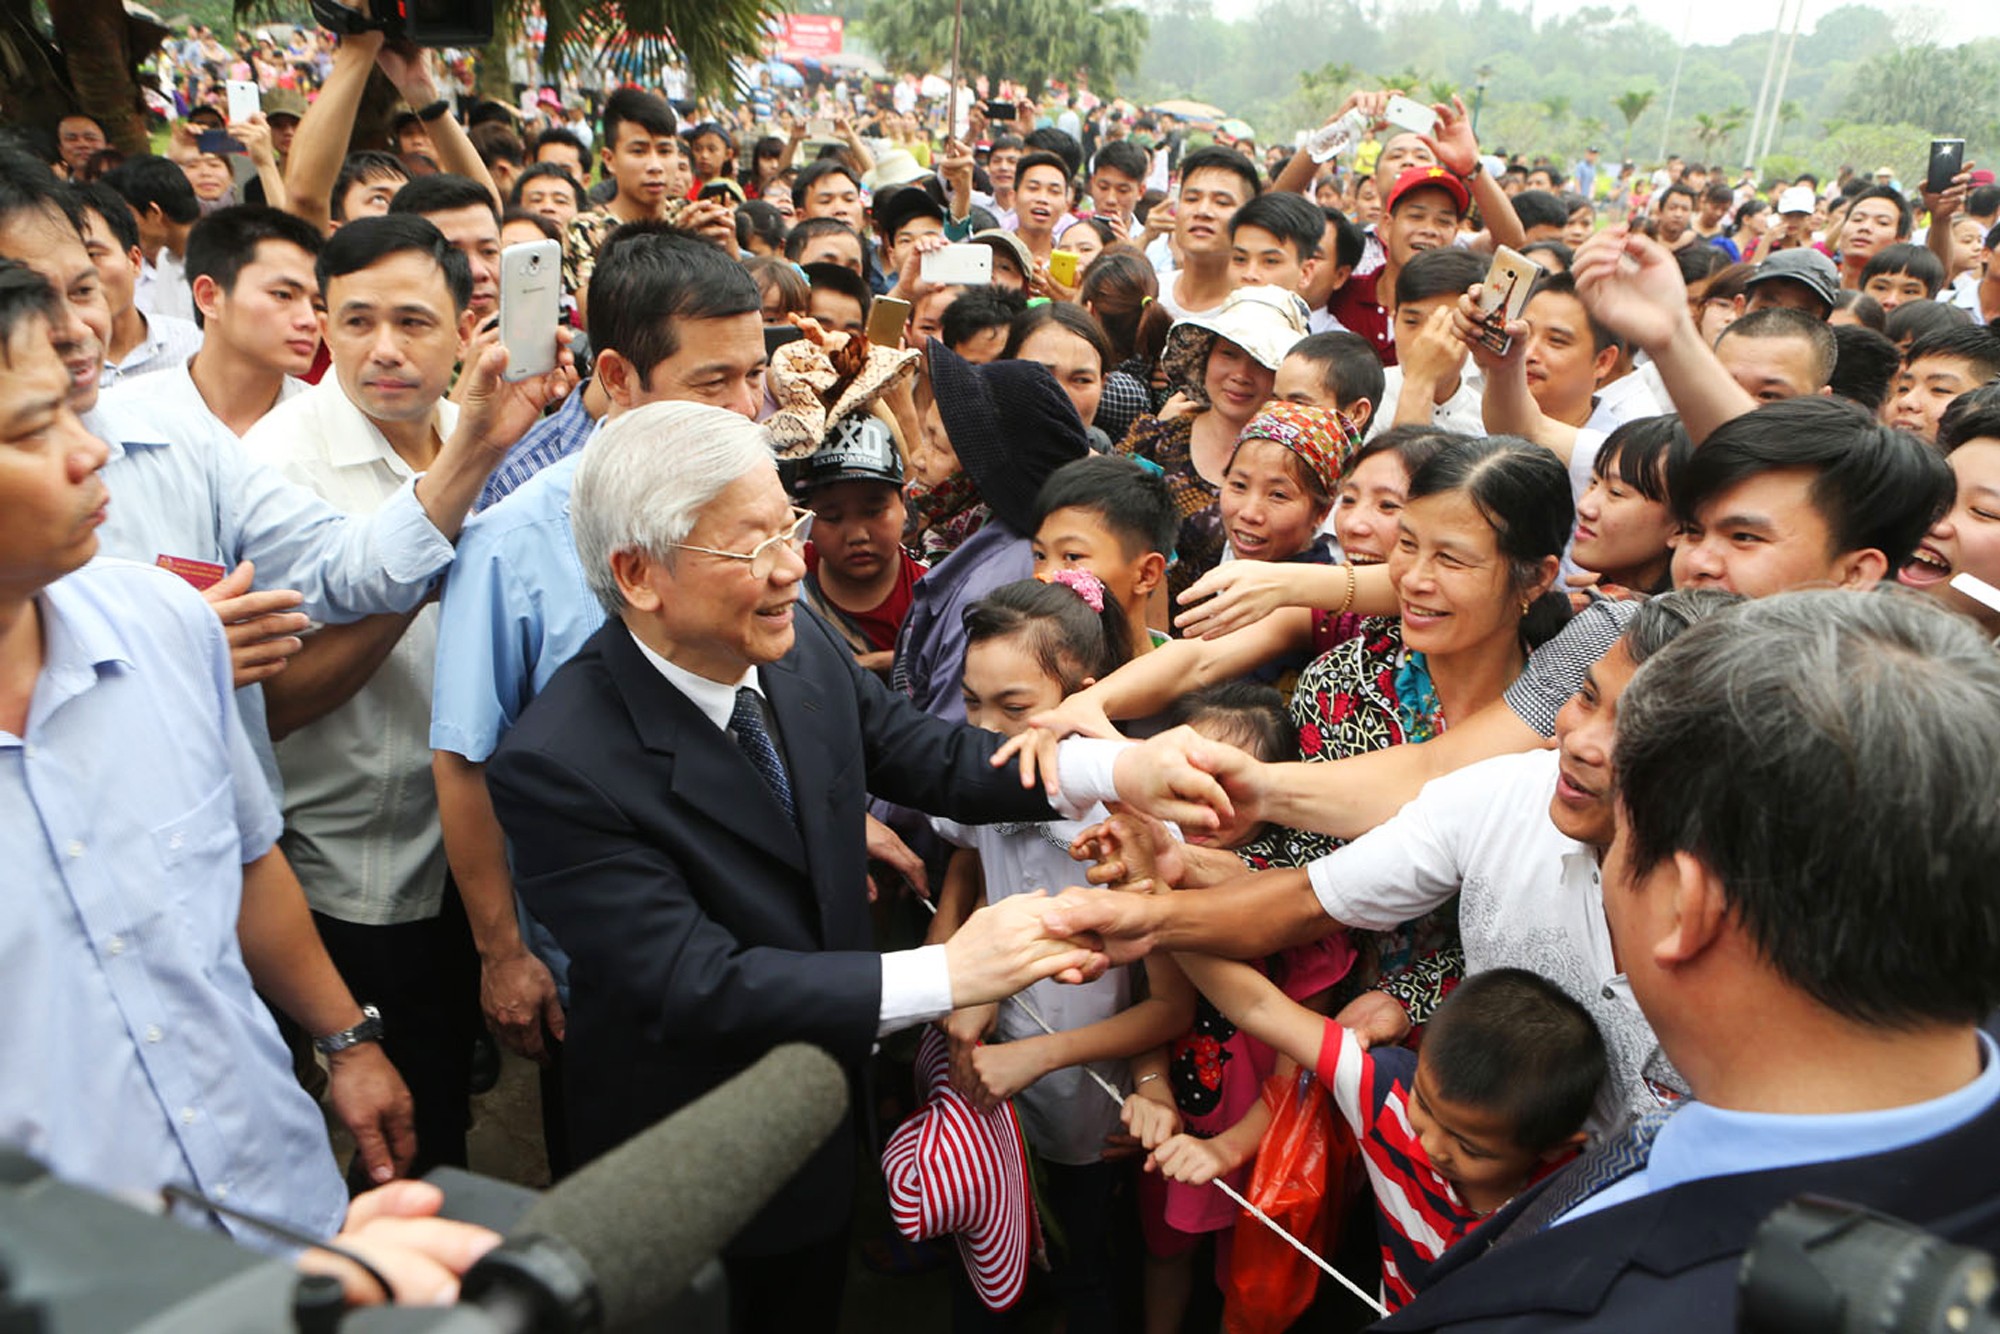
[{"x": 1009, "y": 946}]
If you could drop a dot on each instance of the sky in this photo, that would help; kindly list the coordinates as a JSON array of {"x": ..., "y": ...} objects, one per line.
[{"x": 1720, "y": 21}]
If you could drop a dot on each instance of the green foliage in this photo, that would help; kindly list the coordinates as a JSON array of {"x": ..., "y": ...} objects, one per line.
[
  {"x": 1955, "y": 90},
  {"x": 1032, "y": 41}
]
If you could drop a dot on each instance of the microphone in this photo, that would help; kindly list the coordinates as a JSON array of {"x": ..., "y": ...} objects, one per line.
[{"x": 621, "y": 1238}]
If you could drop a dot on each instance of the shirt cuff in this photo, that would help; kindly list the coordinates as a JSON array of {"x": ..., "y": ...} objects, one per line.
[
  {"x": 916, "y": 988},
  {"x": 1084, "y": 768},
  {"x": 958, "y": 229},
  {"x": 413, "y": 549}
]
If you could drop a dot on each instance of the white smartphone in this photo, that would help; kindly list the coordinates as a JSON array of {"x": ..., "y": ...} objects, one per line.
[
  {"x": 530, "y": 307},
  {"x": 1407, "y": 113},
  {"x": 962, "y": 264},
  {"x": 244, "y": 100}
]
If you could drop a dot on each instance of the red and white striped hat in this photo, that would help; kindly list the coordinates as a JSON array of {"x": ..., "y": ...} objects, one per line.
[{"x": 952, "y": 1168}]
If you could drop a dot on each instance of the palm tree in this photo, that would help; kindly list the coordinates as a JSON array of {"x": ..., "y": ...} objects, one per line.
[
  {"x": 1556, "y": 108},
  {"x": 1632, "y": 104}
]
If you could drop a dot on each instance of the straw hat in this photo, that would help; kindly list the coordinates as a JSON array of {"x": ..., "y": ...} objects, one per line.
[{"x": 1263, "y": 321}]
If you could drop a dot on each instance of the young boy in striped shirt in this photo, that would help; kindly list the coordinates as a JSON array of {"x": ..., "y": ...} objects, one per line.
[{"x": 1497, "y": 1098}]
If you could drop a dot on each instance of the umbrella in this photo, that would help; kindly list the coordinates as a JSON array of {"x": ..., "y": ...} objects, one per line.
[
  {"x": 1237, "y": 129},
  {"x": 1187, "y": 110},
  {"x": 783, "y": 75}
]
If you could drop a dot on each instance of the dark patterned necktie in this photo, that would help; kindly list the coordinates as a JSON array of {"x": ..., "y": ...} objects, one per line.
[
  {"x": 746, "y": 724},
  {"x": 1615, "y": 1157}
]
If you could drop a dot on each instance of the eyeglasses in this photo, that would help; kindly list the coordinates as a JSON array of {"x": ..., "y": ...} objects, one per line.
[{"x": 763, "y": 557}]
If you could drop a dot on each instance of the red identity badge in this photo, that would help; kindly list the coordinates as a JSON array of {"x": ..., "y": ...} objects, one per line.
[{"x": 200, "y": 573}]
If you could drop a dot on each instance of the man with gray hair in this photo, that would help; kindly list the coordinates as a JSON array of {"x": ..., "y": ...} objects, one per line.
[
  {"x": 684, "y": 801},
  {"x": 1800, "y": 888}
]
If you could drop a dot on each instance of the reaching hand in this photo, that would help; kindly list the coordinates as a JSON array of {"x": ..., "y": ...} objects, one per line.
[
  {"x": 497, "y": 412},
  {"x": 1943, "y": 205},
  {"x": 1152, "y": 1120},
  {"x": 1633, "y": 285},
  {"x": 1184, "y": 777},
  {"x": 885, "y": 845},
  {"x": 1003, "y": 1069},
  {"x": 1376, "y": 1019},
  {"x": 1132, "y": 851},
  {"x": 262, "y": 628},
  {"x": 1007, "y": 946},
  {"x": 1123, "y": 923},
  {"x": 1433, "y": 355},
  {"x": 255, "y": 136},
  {"x": 1469, "y": 324},
  {"x": 1233, "y": 595},
  {"x": 408, "y": 66},
  {"x": 1194, "y": 1162},
  {"x": 397, "y": 1230},
  {"x": 1453, "y": 143}
]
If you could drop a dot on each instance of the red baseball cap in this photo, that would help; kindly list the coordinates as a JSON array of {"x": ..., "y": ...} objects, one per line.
[{"x": 1429, "y": 178}]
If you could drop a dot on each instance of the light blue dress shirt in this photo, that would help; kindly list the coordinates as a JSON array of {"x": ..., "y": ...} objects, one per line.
[
  {"x": 140, "y": 1055},
  {"x": 1699, "y": 1141}
]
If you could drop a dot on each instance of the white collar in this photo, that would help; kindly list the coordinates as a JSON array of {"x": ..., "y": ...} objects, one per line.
[{"x": 716, "y": 700}]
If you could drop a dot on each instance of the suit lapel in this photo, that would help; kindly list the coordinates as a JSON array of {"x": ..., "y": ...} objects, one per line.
[{"x": 709, "y": 772}]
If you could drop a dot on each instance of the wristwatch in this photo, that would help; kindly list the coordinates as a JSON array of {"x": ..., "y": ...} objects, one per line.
[{"x": 368, "y": 1030}]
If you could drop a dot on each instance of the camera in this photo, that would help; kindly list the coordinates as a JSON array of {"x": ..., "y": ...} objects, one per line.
[
  {"x": 424, "y": 22},
  {"x": 1821, "y": 1266}
]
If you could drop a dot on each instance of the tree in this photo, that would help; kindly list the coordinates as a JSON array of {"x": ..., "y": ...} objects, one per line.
[
  {"x": 87, "y": 63},
  {"x": 1557, "y": 108},
  {"x": 1709, "y": 131},
  {"x": 1029, "y": 41},
  {"x": 1950, "y": 89},
  {"x": 1632, "y": 104}
]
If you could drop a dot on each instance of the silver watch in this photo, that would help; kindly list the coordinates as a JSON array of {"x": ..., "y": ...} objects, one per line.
[{"x": 368, "y": 1030}]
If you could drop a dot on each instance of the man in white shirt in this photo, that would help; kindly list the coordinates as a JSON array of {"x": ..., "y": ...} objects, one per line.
[
  {"x": 1215, "y": 182},
  {"x": 361, "y": 821},
  {"x": 164, "y": 205},
  {"x": 140, "y": 343}
]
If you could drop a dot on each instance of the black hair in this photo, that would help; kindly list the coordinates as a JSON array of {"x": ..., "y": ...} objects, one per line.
[
  {"x": 1976, "y": 343},
  {"x": 440, "y": 192},
  {"x": 1522, "y": 491},
  {"x": 710, "y": 127},
  {"x": 1678, "y": 188},
  {"x": 1215, "y": 158},
  {"x": 1866, "y": 366},
  {"x": 1983, "y": 202},
  {"x": 1718, "y": 192},
  {"x": 109, "y": 205},
  {"x": 148, "y": 181},
  {"x": 755, "y": 218},
  {"x": 548, "y": 171},
  {"x": 24, "y": 294},
  {"x": 805, "y": 233},
  {"x": 1041, "y": 158},
  {"x": 1119, "y": 286},
  {"x": 367, "y": 165},
  {"x": 496, "y": 141},
  {"x": 1248, "y": 715},
  {"x": 649, "y": 111},
  {"x": 1894, "y": 196},
  {"x": 1540, "y": 208},
  {"x": 1446, "y": 270},
  {"x": 976, "y": 309},
  {"x": 1562, "y": 284},
  {"x": 1124, "y": 157},
  {"x": 562, "y": 137},
  {"x": 1564, "y": 257},
  {"x": 546, "y": 226},
  {"x": 1875, "y": 488},
  {"x": 1349, "y": 242},
  {"x": 1134, "y": 502},
  {"x": 1514, "y": 1044},
  {"x": 1973, "y": 415},
  {"x": 490, "y": 112},
  {"x": 1056, "y": 626},
  {"x": 1414, "y": 444},
  {"x": 1289, "y": 217},
  {"x": 1784, "y": 322},
  {"x": 1648, "y": 451},
  {"x": 1072, "y": 317},
  {"x": 844, "y": 281},
  {"x": 1349, "y": 366},
  {"x": 1062, "y": 143},
  {"x": 770, "y": 271},
  {"x": 650, "y": 277},
  {"x": 1699, "y": 262},
  {"x": 1662, "y": 617},
  {"x": 359, "y": 244},
  {"x": 816, "y": 171},
  {"x": 222, "y": 243},
  {"x": 1572, "y": 201},
  {"x": 1902, "y": 257},
  {"x": 1913, "y": 321},
  {"x": 769, "y": 146},
  {"x": 1001, "y": 141},
  {"x": 1865, "y": 308}
]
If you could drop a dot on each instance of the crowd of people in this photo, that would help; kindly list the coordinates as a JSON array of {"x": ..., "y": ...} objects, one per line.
[{"x": 1122, "y": 605}]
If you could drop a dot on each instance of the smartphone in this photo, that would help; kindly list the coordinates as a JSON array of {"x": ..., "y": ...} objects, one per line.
[
  {"x": 965, "y": 263},
  {"x": 217, "y": 142},
  {"x": 1504, "y": 295},
  {"x": 777, "y": 335},
  {"x": 1947, "y": 160},
  {"x": 1062, "y": 266},
  {"x": 886, "y": 321},
  {"x": 1409, "y": 114},
  {"x": 820, "y": 129},
  {"x": 530, "y": 307},
  {"x": 244, "y": 100},
  {"x": 1001, "y": 111}
]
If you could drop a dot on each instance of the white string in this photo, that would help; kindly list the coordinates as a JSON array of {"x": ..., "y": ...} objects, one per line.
[{"x": 1112, "y": 1092}]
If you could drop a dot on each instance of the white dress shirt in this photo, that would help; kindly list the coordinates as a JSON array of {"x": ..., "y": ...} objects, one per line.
[
  {"x": 361, "y": 820},
  {"x": 916, "y": 984},
  {"x": 1464, "y": 412},
  {"x": 169, "y": 342},
  {"x": 162, "y": 287},
  {"x": 172, "y": 392}
]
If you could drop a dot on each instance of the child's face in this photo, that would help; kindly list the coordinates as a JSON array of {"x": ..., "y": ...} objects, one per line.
[
  {"x": 1079, "y": 539},
  {"x": 1891, "y": 290},
  {"x": 1267, "y": 512},
  {"x": 1471, "y": 1148},
  {"x": 1004, "y": 686}
]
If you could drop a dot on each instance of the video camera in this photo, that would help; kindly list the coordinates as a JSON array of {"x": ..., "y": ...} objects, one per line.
[
  {"x": 424, "y": 22},
  {"x": 1818, "y": 1266}
]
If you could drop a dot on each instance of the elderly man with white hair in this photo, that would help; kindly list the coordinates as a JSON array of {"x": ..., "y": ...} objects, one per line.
[{"x": 684, "y": 806}]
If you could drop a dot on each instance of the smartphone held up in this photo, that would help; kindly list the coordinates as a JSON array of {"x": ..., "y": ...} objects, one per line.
[
  {"x": 1503, "y": 296},
  {"x": 530, "y": 307}
]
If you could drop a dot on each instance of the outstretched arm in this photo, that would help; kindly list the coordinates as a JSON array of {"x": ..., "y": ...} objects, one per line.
[{"x": 320, "y": 144}]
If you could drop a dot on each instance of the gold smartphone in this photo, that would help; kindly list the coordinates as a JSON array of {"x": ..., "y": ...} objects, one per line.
[{"x": 886, "y": 321}]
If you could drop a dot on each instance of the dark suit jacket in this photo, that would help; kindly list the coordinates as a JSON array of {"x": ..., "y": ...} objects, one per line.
[
  {"x": 1667, "y": 1262},
  {"x": 703, "y": 928}
]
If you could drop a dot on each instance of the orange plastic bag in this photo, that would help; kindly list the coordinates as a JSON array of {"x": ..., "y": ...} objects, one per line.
[{"x": 1302, "y": 1181}]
